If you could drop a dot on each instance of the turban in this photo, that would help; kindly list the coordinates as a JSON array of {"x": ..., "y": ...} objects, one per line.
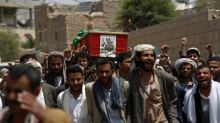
[{"x": 181, "y": 61}]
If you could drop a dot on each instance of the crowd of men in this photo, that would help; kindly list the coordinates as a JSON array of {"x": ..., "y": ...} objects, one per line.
[{"x": 139, "y": 86}]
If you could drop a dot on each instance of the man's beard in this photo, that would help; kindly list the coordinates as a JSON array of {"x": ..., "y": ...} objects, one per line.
[{"x": 147, "y": 66}]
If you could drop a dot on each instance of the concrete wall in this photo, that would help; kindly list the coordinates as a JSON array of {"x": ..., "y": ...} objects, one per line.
[{"x": 200, "y": 29}]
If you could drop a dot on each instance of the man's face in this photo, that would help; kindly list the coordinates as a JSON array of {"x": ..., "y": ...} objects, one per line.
[
  {"x": 164, "y": 58},
  {"x": 215, "y": 67},
  {"x": 193, "y": 56},
  {"x": 67, "y": 54},
  {"x": 147, "y": 60},
  {"x": 104, "y": 73},
  {"x": 83, "y": 62},
  {"x": 56, "y": 65},
  {"x": 75, "y": 81},
  {"x": 203, "y": 76},
  {"x": 125, "y": 64},
  {"x": 186, "y": 70},
  {"x": 13, "y": 88}
]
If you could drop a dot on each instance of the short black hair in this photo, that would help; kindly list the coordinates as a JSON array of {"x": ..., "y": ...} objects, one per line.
[
  {"x": 24, "y": 57},
  {"x": 33, "y": 74},
  {"x": 122, "y": 56},
  {"x": 82, "y": 54},
  {"x": 74, "y": 69},
  {"x": 214, "y": 58},
  {"x": 103, "y": 61},
  {"x": 203, "y": 66},
  {"x": 193, "y": 51}
]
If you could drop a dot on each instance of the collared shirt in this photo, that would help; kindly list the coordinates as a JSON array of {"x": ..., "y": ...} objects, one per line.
[
  {"x": 78, "y": 107},
  {"x": 114, "y": 114}
]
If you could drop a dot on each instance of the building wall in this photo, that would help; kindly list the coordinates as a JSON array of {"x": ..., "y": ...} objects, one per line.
[
  {"x": 51, "y": 22},
  {"x": 200, "y": 29},
  {"x": 74, "y": 22},
  {"x": 20, "y": 31},
  {"x": 110, "y": 8}
]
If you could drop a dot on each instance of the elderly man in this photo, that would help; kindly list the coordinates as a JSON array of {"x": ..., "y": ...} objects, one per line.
[
  {"x": 202, "y": 102},
  {"x": 152, "y": 93}
]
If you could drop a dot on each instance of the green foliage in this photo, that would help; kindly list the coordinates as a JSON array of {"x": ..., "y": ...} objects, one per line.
[
  {"x": 28, "y": 44},
  {"x": 207, "y": 4},
  {"x": 136, "y": 14},
  {"x": 9, "y": 46}
]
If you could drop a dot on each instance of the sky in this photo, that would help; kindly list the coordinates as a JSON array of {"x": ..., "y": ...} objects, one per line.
[{"x": 69, "y": 2}]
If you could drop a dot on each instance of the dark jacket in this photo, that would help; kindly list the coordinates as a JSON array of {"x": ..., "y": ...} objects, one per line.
[
  {"x": 180, "y": 92},
  {"x": 49, "y": 78},
  {"x": 49, "y": 93},
  {"x": 136, "y": 102}
]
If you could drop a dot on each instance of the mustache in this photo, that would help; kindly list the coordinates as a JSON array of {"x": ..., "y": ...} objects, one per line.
[{"x": 149, "y": 62}]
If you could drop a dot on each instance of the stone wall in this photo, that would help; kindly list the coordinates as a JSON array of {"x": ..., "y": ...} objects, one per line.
[{"x": 200, "y": 29}]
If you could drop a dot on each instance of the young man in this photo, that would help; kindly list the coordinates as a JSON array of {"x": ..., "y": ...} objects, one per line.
[
  {"x": 73, "y": 100},
  {"x": 185, "y": 68},
  {"x": 56, "y": 70},
  {"x": 124, "y": 64},
  {"x": 104, "y": 98},
  {"x": 214, "y": 65},
  {"x": 202, "y": 102},
  {"x": 191, "y": 53},
  {"x": 152, "y": 94},
  {"x": 22, "y": 105},
  {"x": 83, "y": 59}
]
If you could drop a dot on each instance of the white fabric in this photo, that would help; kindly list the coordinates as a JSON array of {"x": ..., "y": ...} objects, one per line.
[
  {"x": 77, "y": 108},
  {"x": 30, "y": 118},
  {"x": 214, "y": 104},
  {"x": 141, "y": 47},
  {"x": 40, "y": 98},
  {"x": 193, "y": 48},
  {"x": 1, "y": 105},
  {"x": 179, "y": 62}
]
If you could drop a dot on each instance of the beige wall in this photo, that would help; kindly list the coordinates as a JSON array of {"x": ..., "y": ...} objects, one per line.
[
  {"x": 68, "y": 24},
  {"x": 200, "y": 29},
  {"x": 20, "y": 31}
]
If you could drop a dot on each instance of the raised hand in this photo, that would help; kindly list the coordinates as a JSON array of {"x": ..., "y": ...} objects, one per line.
[
  {"x": 183, "y": 41},
  {"x": 164, "y": 48},
  {"x": 29, "y": 102},
  {"x": 209, "y": 48}
]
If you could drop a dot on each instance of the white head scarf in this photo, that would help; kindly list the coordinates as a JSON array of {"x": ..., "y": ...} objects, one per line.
[
  {"x": 139, "y": 48},
  {"x": 181, "y": 61}
]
